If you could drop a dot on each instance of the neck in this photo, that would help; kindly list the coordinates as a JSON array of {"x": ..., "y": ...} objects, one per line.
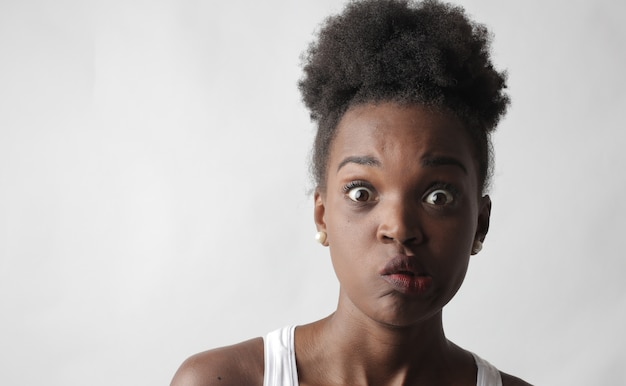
[{"x": 375, "y": 353}]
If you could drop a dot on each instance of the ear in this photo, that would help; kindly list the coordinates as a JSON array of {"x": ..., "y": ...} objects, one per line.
[
  {"x": 319, "y": 211},
  {"x": 484, "y": 214}
]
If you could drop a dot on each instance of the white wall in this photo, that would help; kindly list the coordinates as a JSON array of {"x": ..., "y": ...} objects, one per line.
[{"x": 153, "y": 189}]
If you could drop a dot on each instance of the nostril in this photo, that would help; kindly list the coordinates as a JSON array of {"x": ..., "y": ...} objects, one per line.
[
  {"x": 409, "y": 241},
  {"x": 385, "y": 236},
  {"x": 401, "y": 241},
  {"x": 399, "y": 232}
]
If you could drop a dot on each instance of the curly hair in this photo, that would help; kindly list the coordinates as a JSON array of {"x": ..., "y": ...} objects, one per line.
[{"x": 427, "y": 53}]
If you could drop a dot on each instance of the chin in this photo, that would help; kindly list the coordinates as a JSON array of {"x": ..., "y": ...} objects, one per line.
[{"x": 404, "y": 318}]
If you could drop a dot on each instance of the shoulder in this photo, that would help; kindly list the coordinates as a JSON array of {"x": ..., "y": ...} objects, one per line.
[
  {"x": 509, "y": 380},
  {"x": 239, "y": 364}
]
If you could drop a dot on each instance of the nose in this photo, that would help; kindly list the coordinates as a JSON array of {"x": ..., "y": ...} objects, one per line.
[{"x": 399, "y": 223}]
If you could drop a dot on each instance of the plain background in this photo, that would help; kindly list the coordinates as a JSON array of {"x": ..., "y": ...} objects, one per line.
[{"x": 154, "y": 189}]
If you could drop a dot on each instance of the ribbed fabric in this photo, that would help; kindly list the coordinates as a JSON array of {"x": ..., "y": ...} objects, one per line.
[{"x": 280, "y": 362}]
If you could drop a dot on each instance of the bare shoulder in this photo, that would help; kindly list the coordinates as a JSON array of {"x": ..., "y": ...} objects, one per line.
[
  {"x": 509, "y": 380},
  {"x": 239, "y": 364}
]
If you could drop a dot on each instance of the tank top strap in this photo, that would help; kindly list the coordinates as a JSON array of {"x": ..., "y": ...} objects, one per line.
[
  {"x": 281, "y": 370},
  {"x": 280, "y": 358},
  {"x": 487, "y": 375}
]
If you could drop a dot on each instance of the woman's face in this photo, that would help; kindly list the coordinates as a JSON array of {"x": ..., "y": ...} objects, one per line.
[{"x": 401, "y": 208}]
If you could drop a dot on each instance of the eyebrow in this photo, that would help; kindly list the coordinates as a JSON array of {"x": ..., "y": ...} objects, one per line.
[
  {"x": 434, "y": 161},
  {"x": 427, "y": 161},
  {"x": 360, "y": 160}
]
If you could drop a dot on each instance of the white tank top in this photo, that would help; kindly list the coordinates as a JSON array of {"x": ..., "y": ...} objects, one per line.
[{"x": 280, "y": 362}]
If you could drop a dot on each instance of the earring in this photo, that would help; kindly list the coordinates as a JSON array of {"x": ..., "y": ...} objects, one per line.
[
  {"x": 478, "y": 246},
  {"x": 321, "y": 237}
]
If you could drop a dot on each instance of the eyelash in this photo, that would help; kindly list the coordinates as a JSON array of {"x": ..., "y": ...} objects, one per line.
[
  {"x": 445, "y": 186},
  {"x": 442, "y": 186},
  {"x": 356, "y": 184},
  {"x": 435, "y": 186},
  {"x": 352, "y": 185}
]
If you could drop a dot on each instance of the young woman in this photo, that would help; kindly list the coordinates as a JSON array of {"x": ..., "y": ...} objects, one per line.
[{"x": 405, "y": 97}]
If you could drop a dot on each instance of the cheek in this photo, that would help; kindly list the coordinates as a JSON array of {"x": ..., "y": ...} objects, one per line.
[
  {"x": 346, "y": 239},
  {"x": 450, "y": 246},
  {"x": 346, "y": 225},
  {"x": 452, "y": 238},
  {"x": 350, "y": 236}
]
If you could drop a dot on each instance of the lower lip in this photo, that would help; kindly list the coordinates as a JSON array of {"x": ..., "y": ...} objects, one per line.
[{"x": 409, "y": 284}]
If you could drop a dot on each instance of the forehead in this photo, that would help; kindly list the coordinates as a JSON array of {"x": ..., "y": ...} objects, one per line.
[{"x": 398, "y": 132}]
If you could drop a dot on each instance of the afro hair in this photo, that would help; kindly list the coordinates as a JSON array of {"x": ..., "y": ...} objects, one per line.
[{"x": 426, "y": 52}]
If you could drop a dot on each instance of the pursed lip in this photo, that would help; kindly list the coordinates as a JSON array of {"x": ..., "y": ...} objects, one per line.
[
  {"x": 407, "y": 275},
  {"x": 404, "y": 264}
]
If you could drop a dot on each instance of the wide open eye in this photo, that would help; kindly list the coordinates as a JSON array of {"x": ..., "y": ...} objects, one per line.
[
  {"x": 360, "y": 194},
  {"x": 439, "y": 197}
]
